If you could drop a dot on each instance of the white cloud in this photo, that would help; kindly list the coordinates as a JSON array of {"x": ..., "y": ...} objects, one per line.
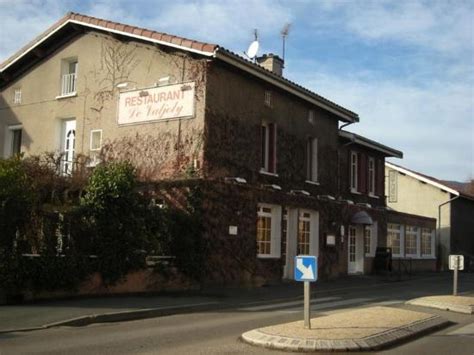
[{"x": 433, "y": 126}]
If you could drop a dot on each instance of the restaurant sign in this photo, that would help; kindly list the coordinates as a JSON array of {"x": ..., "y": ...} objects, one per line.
[{"x": 158, "y": 103}]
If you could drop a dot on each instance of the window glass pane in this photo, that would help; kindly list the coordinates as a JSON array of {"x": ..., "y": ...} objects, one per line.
[
  {"x": 16, "y": 141},
  {"x": 304, "y": 232},
  {"x": 367, "y": 239}
]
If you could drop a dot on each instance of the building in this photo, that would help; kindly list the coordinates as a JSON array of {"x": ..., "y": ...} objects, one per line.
[
  {"x": 279, "y": 176},
  {"x": 412, "y": 192}
]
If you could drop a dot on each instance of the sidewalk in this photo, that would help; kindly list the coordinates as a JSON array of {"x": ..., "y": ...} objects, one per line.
[{"x": 82, "y": 311}]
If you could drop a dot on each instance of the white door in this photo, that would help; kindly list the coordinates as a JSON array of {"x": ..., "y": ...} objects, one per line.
[
  {"x": 68, "y": 145},
  {"x": 355, "y": 248}
]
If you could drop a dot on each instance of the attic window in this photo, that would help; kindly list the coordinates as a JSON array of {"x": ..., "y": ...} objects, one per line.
[
  {"x": 268, "y": 99},
  {"x": 17, "y": 96}
]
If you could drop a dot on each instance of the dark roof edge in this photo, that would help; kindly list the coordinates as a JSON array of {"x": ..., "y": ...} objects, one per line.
[
  {"x": 358, "y": 139},
  {"x": 285, "y": 84}
]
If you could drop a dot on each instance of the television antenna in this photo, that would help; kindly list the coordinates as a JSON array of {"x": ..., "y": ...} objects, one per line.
[
  {"x": 284, "y": 33},
  {"x": 253, "y": 47}
]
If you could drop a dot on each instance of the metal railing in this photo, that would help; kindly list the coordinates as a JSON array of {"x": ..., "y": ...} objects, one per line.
[{"x": 68, "y": 84}]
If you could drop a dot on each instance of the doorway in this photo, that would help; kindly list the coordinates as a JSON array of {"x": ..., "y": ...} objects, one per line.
[{"x": 355, "y": 249}]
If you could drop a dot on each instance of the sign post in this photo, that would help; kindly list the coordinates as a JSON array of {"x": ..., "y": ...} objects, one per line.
[
  {"x": 456, "y": 262},
  {"x": 306, "y": 270}
]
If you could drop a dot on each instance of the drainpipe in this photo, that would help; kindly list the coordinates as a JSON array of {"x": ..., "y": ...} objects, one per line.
[
  {"x": 339, "y": 158},
  {"x": 439, "y": 222}
]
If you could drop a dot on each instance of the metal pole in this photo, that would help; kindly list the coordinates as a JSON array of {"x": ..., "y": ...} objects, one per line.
[
  {"x": 455, "y": 281},
  {"x": 307, "y": 311}
]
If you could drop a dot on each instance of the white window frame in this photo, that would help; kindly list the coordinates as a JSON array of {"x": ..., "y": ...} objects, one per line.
[
  {"x": 412, "y": 233},
  {"x": 431, "y": 233},
  {"x": 100, "y": 140},
  {"x": 8, "y": 142},
  {"x": 68, "y": 79},
  {"x": 312, "y": 160},
  {"x": 266, "y": 168},
  {"x": 17, "y": 96},
  {"x": 371, "y": 176},
  {"x": 275, "y": 233},
  {"x": 400, "y": 233},
  {"x": 354, "y": 166}
]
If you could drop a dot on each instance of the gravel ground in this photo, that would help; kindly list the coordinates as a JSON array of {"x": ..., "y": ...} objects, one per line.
[
  {"x": 354, "y": 324},
  {"x": 456, "y": 300}
]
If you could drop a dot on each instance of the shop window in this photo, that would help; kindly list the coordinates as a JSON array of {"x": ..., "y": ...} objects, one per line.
[
  {"x": 427, "y": 243},
  {"x": 312, "y": 159},
  {"x": 268, "y": 231},
  {"x": 394, "y": 239},
  {"x": 411, "y": 241},
  {"x": 268, "y": 149},
  {"x": 304, "y": 233}
]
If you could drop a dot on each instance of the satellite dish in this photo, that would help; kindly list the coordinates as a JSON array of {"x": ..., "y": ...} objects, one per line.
[{"x": 253, "y": 49}]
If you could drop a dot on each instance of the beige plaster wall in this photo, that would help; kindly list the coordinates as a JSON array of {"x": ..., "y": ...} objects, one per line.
[
  {"x": 422, "y": 199},
  {"x": 104, "y": 62}
]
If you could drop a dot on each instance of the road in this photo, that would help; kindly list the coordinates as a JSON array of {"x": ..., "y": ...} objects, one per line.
[{"x": 217, "y": 332}]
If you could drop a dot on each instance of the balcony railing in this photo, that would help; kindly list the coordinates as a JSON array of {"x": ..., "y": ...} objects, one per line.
[{"x": 68, "y": 85}]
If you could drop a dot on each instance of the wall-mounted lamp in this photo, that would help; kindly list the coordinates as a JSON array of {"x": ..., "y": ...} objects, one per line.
[
  {"x": 121, "y": 85},
  {"x": 236, "y": 179},
  {"x": 300, "y": 192},
  {"x": 143, "y": 93},
  {"x": 163, "y": 81},
  {"x": 367, "y": 205},
  {"x": 186, "y": 87},
  {"x": 273, "y": 186},
  {"x": 326, "y": 197}
]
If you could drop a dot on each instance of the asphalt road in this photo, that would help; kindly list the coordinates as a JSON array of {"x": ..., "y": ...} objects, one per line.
[{"x": 218, "y": 332}]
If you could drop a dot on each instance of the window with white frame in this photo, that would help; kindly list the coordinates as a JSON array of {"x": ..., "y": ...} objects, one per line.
[
  {"x": 96, "y": 140},
  {"x": 394, "y": 237},
  {"x": 69, "y": 76},
  {"x": 411, "y": 241},
  {"x": 304, "y": 233},
  {"x": 354, "y": 167},
  {"x": 268, "y": 98},
  {"x": 427, "y": 242},
  {"x": 312, "y": 159},
  {"x": 268, "y": 230},
  {"x": 367, "y": 240},
  {"x": 372, "y": 176},
  {"x": 17, "y": 96},
  {"x": 13, "y": 139},
  {"x": 268, "y": 148},
  {"x": 284, "y": 234}
]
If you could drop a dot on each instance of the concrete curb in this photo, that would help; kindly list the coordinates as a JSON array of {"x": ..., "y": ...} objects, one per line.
[
  {"x": 121, "y": 316},
  {"x": 445, "y": 306},
  {"x": 374, "y": 342}
]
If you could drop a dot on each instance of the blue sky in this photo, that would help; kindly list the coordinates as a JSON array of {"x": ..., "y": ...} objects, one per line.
[{"x": 406, "y": 67}]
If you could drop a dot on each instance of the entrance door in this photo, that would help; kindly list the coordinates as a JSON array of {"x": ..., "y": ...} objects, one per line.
[
  {"x": 355, "y": 251},
  {"x": 68, "y": 145}
]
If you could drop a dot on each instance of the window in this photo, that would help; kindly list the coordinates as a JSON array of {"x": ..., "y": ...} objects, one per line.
[
  {"x": 311, "y": 117},
  {"x": 68, "y": 145},
  {"x": 69, "y": 77},
  {"x": 312, "y": 159},
  {"x": 268, "y": 149},
  {"x": 13, "y": 135},
  {"x": 394, "y": 238},
  {"x": 268, "y": 99},
  {"x": 304, "y": 233},
  {"x": 268, "y": 230},
  {"x": 17, "y": 96},
  {"x": 284, "y": 232},
  {"x": 367, "y": 240},
  {"x": 354, "y": 171},
  {"x": 371, "y": 176},
  {"x": 411, "y": 242},
  {"x": 352, "y": 243},
  {"x": 427, "y": 242},
  {"x": 96, "y": 140}
]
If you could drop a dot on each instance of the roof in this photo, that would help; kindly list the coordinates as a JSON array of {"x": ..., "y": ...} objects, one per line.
[
  {"x": 74, "y": 23},
  {"x": 361, "y": 140},
  {"x": 451, "y": 188}
]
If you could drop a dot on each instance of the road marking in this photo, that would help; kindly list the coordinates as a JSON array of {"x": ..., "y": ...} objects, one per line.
[
  {"x": 466, "y": 330},
  {"x": 286, "y": 304}
]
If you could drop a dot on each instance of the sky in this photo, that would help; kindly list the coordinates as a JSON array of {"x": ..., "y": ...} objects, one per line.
[{"x": 405, "y": 66}]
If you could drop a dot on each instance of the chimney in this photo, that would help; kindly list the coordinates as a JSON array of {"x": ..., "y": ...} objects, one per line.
[{"x": 271, "y": 62}]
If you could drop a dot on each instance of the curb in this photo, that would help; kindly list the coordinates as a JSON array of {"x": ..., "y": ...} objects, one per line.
[
  {"x": 443, "y": 306},
  {"x": 374, "y": 342},
  {"x": 121, "y": 316}
]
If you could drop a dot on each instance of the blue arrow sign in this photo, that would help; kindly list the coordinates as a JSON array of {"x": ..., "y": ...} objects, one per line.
[{"x": 306, "y": 268}]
